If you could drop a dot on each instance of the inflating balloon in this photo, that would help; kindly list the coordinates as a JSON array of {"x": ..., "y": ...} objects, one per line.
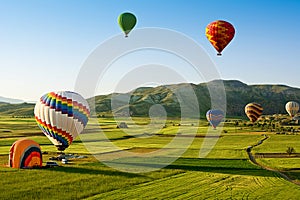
[
  {"x": 292, "y": 108},
  {"x": 214, "y": 117},
  {"x": 253, "y": 111},
  {"x": 127, "y": 21},
  {"x": 25, "y": 153},
  {"x": 219, "y": 33},
  {"x": 62, "y": 116}
]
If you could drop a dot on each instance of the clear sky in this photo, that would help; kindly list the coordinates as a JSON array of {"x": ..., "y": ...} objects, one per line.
[{"x": 43, "y": 43}]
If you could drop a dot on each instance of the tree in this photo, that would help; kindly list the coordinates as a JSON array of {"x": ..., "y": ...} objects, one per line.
[{"x": 290, "y": 150}]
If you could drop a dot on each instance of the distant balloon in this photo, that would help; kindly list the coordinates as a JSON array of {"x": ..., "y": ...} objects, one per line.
[
  {"x": 62, "y": 116},
  {"x": 292, "y": 108},
  {"x": 214, "y": 117},
  {"x": 220, "y": 33},
  {"x": 127, "y": 21},
  {"x": 253, "y": 111}
]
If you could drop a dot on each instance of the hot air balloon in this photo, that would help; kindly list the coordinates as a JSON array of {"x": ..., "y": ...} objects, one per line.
[
  {"x": 127, "y": 21},
  {"x": 214, "y": 117},
  {"x": 292, "y": 108},
  {"x": 219, "y": 33},
  {"x": 253, "y": 111},
  {"x": 62, "y": 116},
  {"x": 25, "y": 153}
]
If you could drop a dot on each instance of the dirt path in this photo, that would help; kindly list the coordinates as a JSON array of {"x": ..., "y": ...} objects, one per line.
[{"x": 253, "y": 160}]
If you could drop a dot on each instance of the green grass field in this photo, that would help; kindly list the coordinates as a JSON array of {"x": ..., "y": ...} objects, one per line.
[{"x": 225, "y": 173}]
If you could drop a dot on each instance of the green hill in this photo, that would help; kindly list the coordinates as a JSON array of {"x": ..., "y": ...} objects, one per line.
[
  {"x": 17, "y": 110},
  {"x": 272, "y": 97}
]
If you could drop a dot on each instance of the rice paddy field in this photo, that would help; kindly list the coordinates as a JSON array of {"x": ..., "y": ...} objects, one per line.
[{"x": 224, "y": 173}]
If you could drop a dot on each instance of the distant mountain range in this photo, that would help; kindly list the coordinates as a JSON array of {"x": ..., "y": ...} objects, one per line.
[
  {"x": 10, "y": 100},
  {"x": 272, "y": 97}
]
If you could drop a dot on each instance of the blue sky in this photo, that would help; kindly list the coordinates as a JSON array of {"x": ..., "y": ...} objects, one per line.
[{"x": 44, "y": 43}]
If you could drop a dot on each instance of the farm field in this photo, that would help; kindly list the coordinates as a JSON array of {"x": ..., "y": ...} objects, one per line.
[{"x": 225, "y": 173}]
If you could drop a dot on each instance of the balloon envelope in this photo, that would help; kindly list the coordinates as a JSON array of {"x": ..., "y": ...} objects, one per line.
[
  {"x": 253, "y": 111},
  {"x": 220, "y": 33},
  {"x": 214, "y": 117},
  {"x": 292, "y": 108},
  {"x": 126, "y": 22},
  {"x": 25, "y": 153},
  {"x": 61, "y": 116}
]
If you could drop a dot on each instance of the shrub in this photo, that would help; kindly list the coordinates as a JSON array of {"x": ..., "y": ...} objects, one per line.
[{"x": 290, "y": 150}]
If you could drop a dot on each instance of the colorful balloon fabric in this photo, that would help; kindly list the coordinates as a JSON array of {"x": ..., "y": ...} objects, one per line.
[
  {"x": 214, "y": 117},
  {"x": 253, "y": 111},
  {"x": 126, "y": 22},
  {"x": 292, "y": 108},
  {"x": 25, "y": 153},
  {"x": 220, "y": 33},
  {"x": 62, "y": 116}
]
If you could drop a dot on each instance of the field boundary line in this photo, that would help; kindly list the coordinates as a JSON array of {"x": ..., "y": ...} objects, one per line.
[{"x": 253, "y": 160}]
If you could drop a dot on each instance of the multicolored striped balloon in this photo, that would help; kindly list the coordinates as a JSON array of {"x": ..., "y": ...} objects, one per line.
[
  {"x": 214, "y": 117},
  {"x": 219, "y": 33},
  {"x": 253, "y": 111},
  {"x": 292, "y": 108},
  {"x": 62, "y": 116},
  {"x": 25, "y": 153}
]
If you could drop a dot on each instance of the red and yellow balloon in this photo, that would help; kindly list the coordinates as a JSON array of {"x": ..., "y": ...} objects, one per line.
[{"x": 220, "y": 33}]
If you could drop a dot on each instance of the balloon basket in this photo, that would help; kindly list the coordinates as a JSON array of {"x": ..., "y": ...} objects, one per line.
[{"x": 59, "y": 157}]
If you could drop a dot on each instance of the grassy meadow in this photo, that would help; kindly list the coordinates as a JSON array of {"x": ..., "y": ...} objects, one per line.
[{"x": 225, "y": 173}]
